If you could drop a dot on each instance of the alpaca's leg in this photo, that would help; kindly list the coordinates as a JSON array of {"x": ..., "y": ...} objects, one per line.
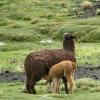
[
  {"x": 71, "y": 82},
  {"x": 54, "y": 85},
  {"x": 65, "y": 84},
  {"x": 27, "y": 86},
  {"x": 30, "y": 83},
  {"x": 28, "y": 78},
  {"x": 32, "y": 86},
  {"x": 58, "y": 84}
]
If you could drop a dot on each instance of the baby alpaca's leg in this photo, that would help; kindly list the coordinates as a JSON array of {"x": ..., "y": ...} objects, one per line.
[
  {"x": 54, "y": 85},
  {"x": 71, "y": 83},
  {"x": 65, "y": 84},
  {"x": 58, "y": 85}
]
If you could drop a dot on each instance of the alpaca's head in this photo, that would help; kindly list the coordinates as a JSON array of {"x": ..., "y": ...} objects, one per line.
[
  {"x": 68, "y": 42},
  {"x": 68, "y": 36}
]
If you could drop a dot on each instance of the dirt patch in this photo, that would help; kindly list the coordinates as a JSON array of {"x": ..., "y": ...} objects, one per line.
[
  {"x": 11, "y": 77},
  {"x": 88, "y": 71},
  {"x": 82, "y": 71}
]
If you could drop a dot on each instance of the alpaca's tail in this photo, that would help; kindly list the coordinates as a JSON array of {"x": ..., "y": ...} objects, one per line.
[
  {"x": 74, "y": 67},
  {"x": 28, "y": 64}
]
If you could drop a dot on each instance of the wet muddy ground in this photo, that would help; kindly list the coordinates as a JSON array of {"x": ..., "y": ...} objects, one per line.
[{"x": 82, "y": 71}]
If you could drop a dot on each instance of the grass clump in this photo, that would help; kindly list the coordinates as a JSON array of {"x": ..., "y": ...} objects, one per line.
[
  {"x": 21, "y": 37},
  {"x": 93, "y": 36},
  {"x": 86, "y": 5},
  {"x": 34, "y": 20},
  {"x": 88, "y": 84},
  {"x": 95, "y": 89},
  {"x": 16, "y": 16},
  {"x": 85, "y": 83},
  {"x": 4, "y": 22},
  {"x": 98, "y": 12},
  {"x": 15, "y": 25},
  {"x": 14, "y": 34},
  {"x": 27, "y": 18}
]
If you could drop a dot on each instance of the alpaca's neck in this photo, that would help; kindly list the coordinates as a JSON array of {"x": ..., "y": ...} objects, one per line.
[{"x": 69, "y": 45}]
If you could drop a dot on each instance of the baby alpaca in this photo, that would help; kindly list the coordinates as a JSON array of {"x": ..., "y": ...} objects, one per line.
[{"x": 63, "y": 69}]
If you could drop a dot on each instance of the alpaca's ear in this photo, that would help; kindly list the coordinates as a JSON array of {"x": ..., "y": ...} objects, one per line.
[
  {"x": 68, "y": 36},
  {"x": 65, "y": 34}
]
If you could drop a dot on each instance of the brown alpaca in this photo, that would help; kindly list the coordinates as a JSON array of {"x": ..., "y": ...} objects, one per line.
[
  {"x": 63, "y": 69},
  {"x": 38, "y": 64}
]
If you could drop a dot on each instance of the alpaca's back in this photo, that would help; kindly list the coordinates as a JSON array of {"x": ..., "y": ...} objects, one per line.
[
  {"x": 69, "y": 66},
  {"x": 58, "y": 70},
  {"x": 47, "y": 58}
]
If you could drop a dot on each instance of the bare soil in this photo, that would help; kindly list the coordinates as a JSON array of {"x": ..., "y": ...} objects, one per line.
[{"x": 82, "y": 72}]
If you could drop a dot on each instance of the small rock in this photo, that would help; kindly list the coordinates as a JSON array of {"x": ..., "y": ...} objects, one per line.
[
  {"x": 6, "y": 72},
  {"x": 94, "y": 76},
  {"x": 15, "y": 78}
]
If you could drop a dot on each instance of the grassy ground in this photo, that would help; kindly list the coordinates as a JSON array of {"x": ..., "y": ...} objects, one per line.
[
  {"x": 13, "y": 91},
  {"x": 12, "y": 55}
]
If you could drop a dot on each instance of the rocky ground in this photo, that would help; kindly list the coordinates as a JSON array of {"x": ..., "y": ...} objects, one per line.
[{"x": 82, "y": 71}]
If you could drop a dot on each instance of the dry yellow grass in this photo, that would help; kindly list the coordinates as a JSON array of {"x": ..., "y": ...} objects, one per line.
[{"x": 86, "y": 5}]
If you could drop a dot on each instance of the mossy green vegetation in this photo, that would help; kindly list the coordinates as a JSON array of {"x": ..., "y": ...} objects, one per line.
[{"x": 30, "y": 20}]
